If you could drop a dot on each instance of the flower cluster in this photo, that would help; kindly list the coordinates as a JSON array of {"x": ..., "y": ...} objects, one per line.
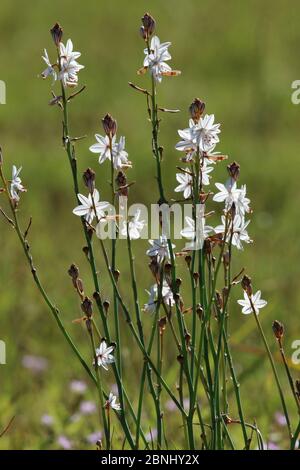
[{"x": 66, "y": 67}]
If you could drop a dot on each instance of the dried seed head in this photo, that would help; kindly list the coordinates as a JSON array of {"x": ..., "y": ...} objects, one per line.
[
  {"x": 278, "y": 329},
  {"x": 234, "y": 170},
  {"x": 196, "y": 109},
  {"x": 148, "y": 26},
  {"x": 109, "y": 125},
  {"x": 247, "y": 285},
  {"x": 73, "y": 272},
  {"x": 89, "y": 179},
  {"x": 87, "y": 307},
  {"x": 56, "y": 33}
]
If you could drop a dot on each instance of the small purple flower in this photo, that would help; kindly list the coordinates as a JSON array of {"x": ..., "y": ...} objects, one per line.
[
  {"x": 64, "y": 442},
  {"x": 78, "y": 386},
  {"x": 36, "y": 364},
  {"x": 280, "y": 418},
  {"x": 272, "y": 446},
  {"x": 88, "y": 407},
  {"x": 47, "y": 420},
  {"x": 170, "y": 405},
  {"x": 94, "y": 437}
]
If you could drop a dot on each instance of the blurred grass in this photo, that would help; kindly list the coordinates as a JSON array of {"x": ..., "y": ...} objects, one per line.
[{"x": 241, "y": 58}]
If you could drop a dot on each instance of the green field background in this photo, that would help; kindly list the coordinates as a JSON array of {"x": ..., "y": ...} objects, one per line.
[{"x": 241, "y": 58}]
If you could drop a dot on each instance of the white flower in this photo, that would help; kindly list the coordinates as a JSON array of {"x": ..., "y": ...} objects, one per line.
[
  {"x": 156, "y": 59},
  {"x": 230, "y": 194},
  {"x": 185, "y": 181},
  {"x": 49, "y": 71},
  {"x": 202, "y": 135},
  {"x": 68, "y": 64},
  {"x": 238, "y": 228},
  {"x": 198, "y": 235},
  {"x": 167, "y": 297},
  {"x": 257, "y": 303},
  {"x": 16, "y": 186},
  {"x": 242, "y": 202},
  {"x": 88, "y": 206},
  {"x": 135, "y": 226},
  {"x": 102, "y": 147},
  {"x": 112, "y": 402},
  {"x": 159, "y": 248},
  {"x": 120, "y": 156},
  {"x": 104, "y": 355}
]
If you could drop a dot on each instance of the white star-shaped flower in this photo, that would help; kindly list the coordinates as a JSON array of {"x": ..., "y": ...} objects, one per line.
[
  {"x": 238, "y": 228},
  {"x": 88, "y": 206},
  {"x": 159, "y": 248},
  {"x": 104, "y": 355},
  {"x": 111, "y": 403},
  {"x": 135, "y": 226},
  {"x": 16, "y": 185},
  {"x": 69, "y": 65},
  {"x": 198, "y": 235},
  {"x": 167, "y": 297},
  {"x": 156, "y": 59},
  {"x": 49, "y": 71},
  {"x": 256, "y": 300}
]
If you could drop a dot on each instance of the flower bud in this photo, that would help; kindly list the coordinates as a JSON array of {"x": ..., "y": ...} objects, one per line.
[
  {"x": 162, "y": 325},
  {"x": 106, "y": 305},
  {"x": 116, "y": 274},
  {"x": 234, "y": 170},
  {"x": 188, "y": 260},
  {"x": 148, "y": 27},
  {"x": 87, "y": 307},
  {"x": 56, "y": 33},
  {"x": 109, "y": 125},
  {"x": 196, "y": 278},
  {"x": 199, "y": 311},
  {"x": 196, "y": 109},
  {"x": 247, "y": 285},
  {"x": 121, "y": 182},
  {"x": 89, "y": 179},
  {"x": 278, "y": 329},
  {"x": 73, "y": 272}
]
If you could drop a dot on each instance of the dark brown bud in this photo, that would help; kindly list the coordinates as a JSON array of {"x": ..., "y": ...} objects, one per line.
[
  {"x": 78, "y": 284},
  {"x": 199, "y": 311},
  {"x": 188, "y": 260},
  {"x": 187, "y": 338},
  {"x": 154, "y": 267},
  {"x": 143, "y": 33},
  {"x": 121, "y": 182},
  {"x": 109, "y": 125},
  {"x": 87, "y": 307},
  {"x": 247, "y": 285},
  {"x": 196, "y": 278},
  {"x": 234, "y": 170},
  {"x": 180, "y": 358},
  {"x": 162, "y": 325},
  {"x": 196, "y": 109},
  {"x": 56, "y": 33},
  {"x": 178, "y": 283},
  {"x": 116, "y": 274},
  {"x": 89, "y": 326},
  {"x": 85, "y": 250},
  {"x": 96, "y": 296},
  {"x": 278, "y": 329},
  {"x": 219, "y": 300},
  {"x": 89, "y": 179},
  {"x": 73, "y": 271},
  {"x": 106, "y": 305},
  {"x": 148, "y": 27}
]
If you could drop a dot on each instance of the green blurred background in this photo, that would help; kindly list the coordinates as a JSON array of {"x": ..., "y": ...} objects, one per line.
[{"x": 241, "y": 58}]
